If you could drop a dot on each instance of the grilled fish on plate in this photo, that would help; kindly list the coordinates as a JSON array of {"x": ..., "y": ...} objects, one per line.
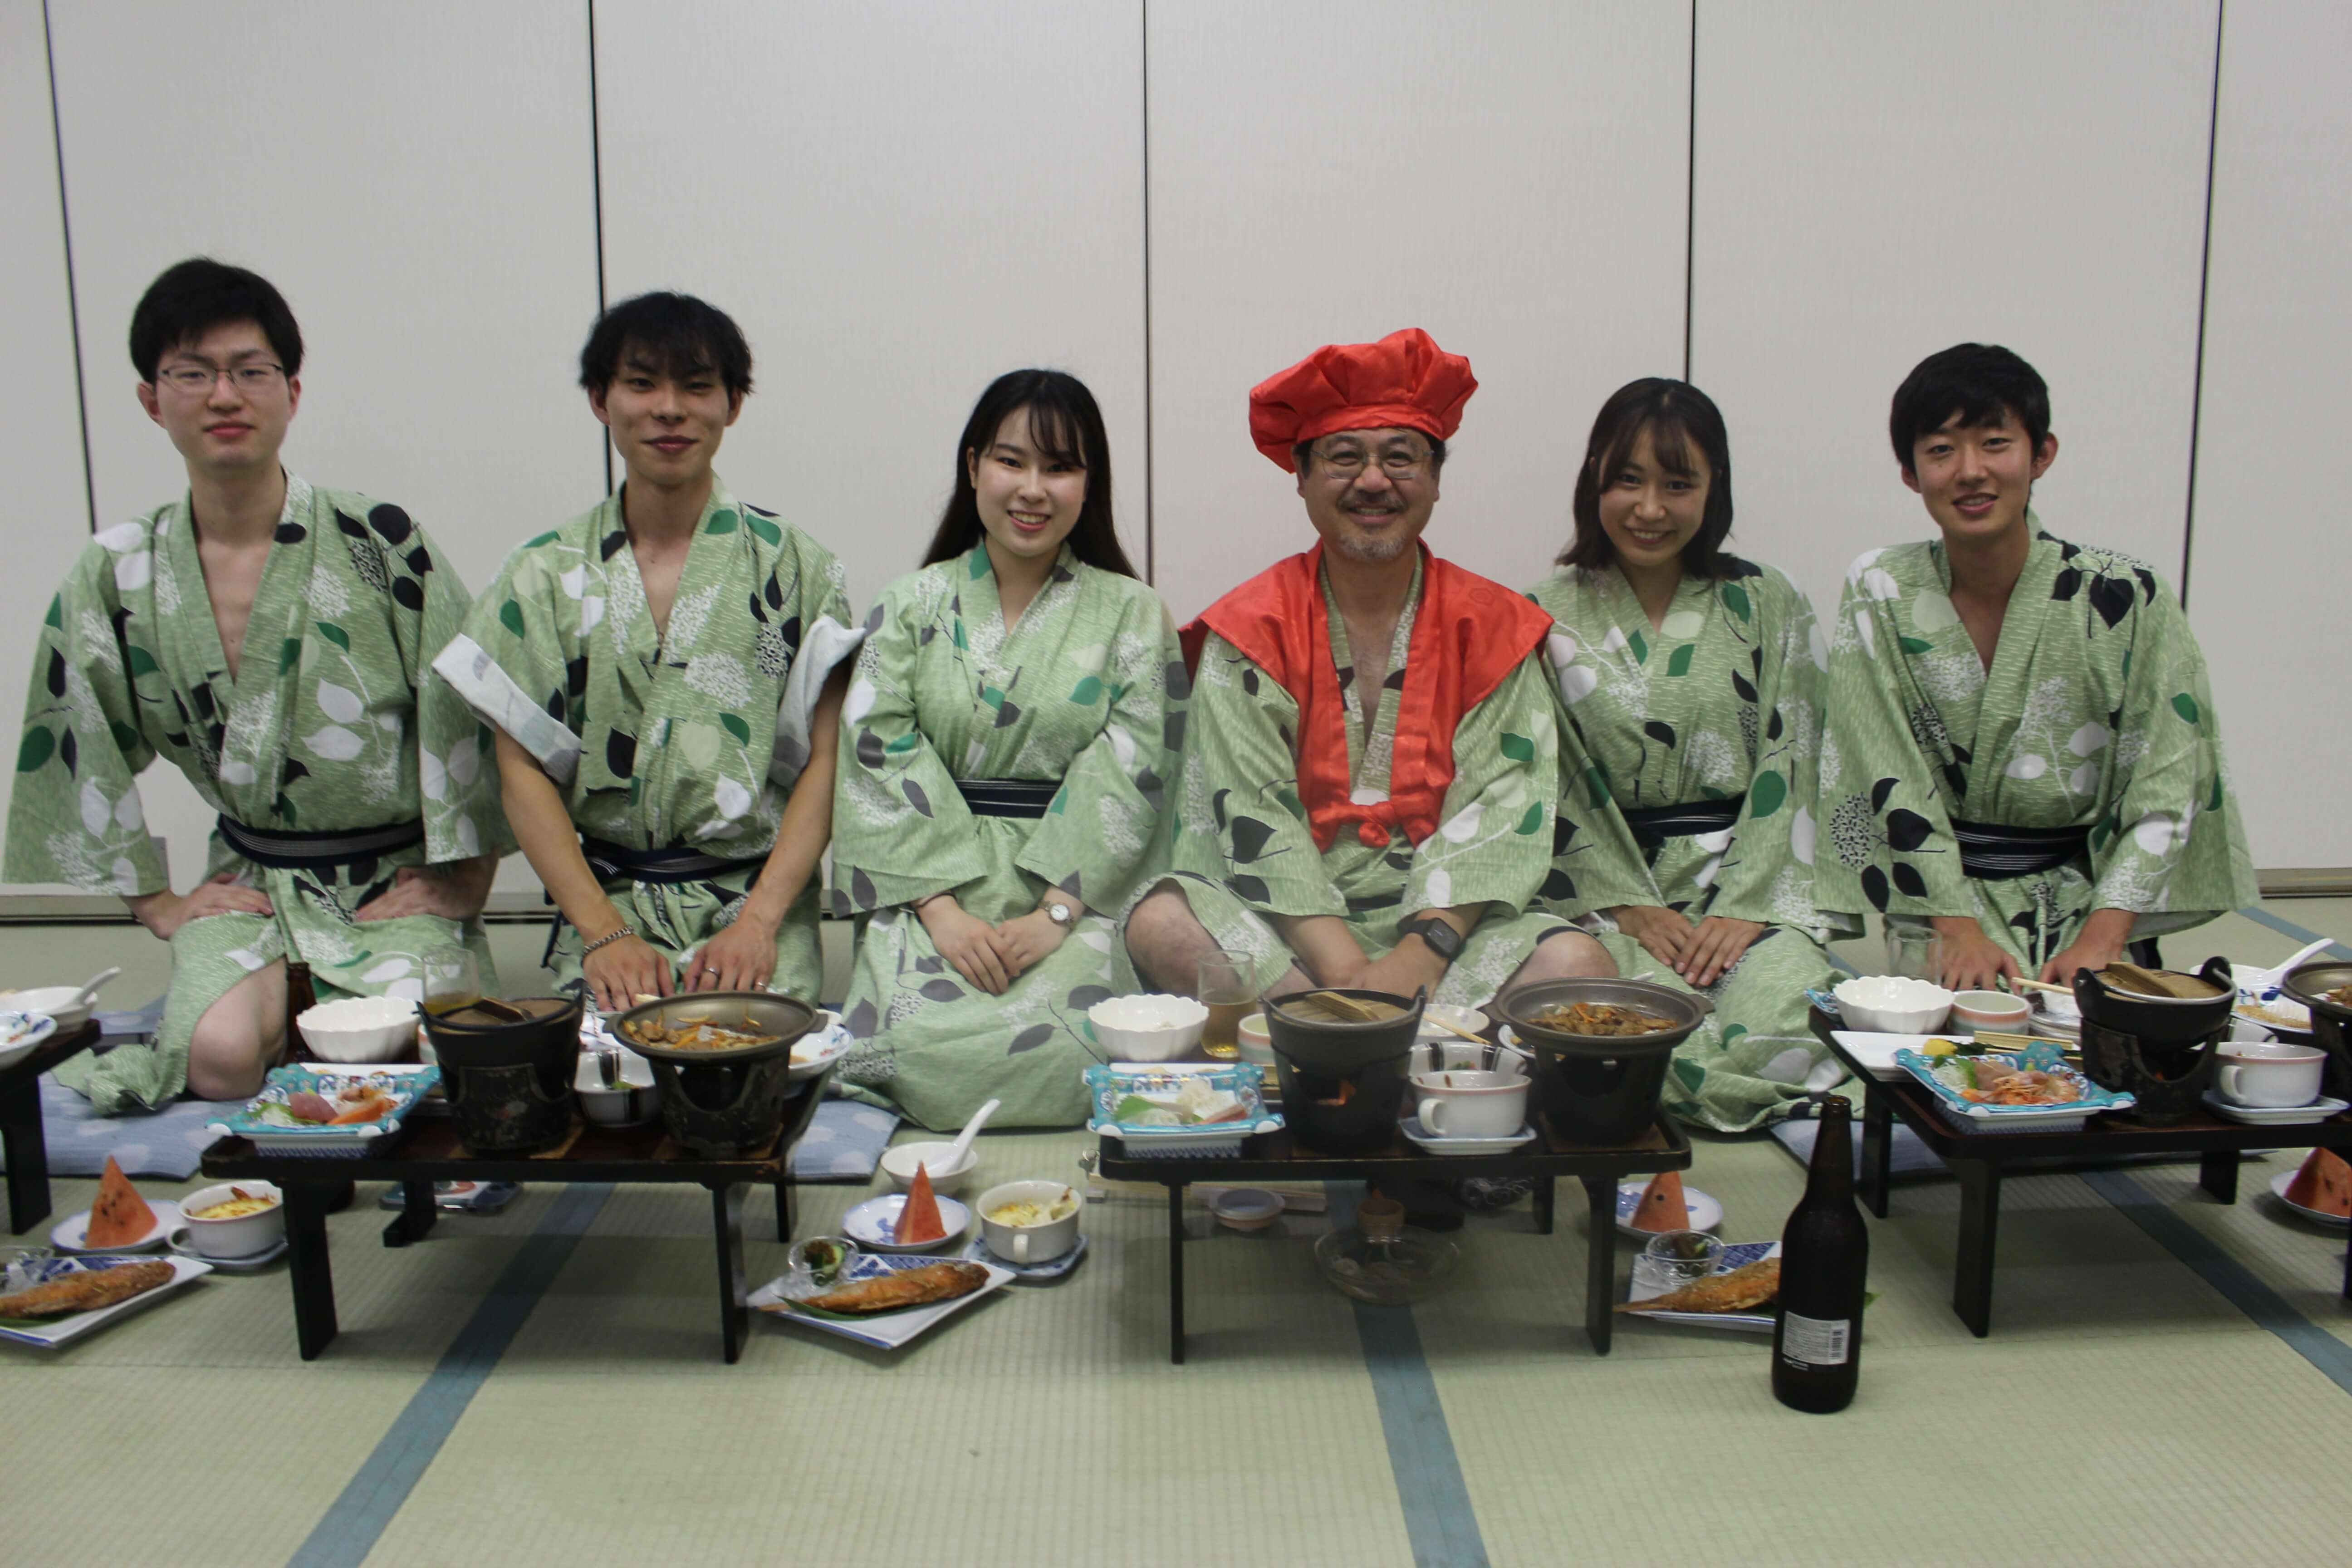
[
  {"x": 1734, "y": 1290},
  {"x": 86, "y": 1291},
  {"x": 903, "y": 1288}
]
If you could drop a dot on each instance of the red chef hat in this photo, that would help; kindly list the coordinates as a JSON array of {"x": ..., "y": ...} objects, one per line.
[{"x": 1405, "y": 379}]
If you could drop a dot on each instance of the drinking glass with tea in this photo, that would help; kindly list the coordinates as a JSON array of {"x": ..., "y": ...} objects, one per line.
[
  {"x": 1228, "y": 990},
  {"x": 453, "y": 979}
]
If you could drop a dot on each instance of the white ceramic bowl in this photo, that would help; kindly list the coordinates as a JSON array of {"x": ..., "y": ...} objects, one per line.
[
  {"x": 243, "y": 1237},
  {"x": 1888, "y": 1004},
  {"x": 899, "y": 1160},
  {"x": 1027, "y": 1243},
  {"x": 1468, "y": 1018},
  {"x": 1990, "y": 1010},
  {"x": 637, "y": 1099},
  {"x": 1255, "y": 1040},
  {"x": 1148, "y": 1028},
  {"x": 58, "y": 1002},
  {"x": 359, "y": 1028},
  {"x": 1246, "y": 1208}
]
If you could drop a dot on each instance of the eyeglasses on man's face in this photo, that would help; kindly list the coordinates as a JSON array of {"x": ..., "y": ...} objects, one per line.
[
  {"x": 196, "y": 380},
  {"x": 1399, "y": 460}
]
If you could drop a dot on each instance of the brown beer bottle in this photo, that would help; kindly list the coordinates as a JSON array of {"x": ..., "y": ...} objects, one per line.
[{"x": 1824, "y": 1264}]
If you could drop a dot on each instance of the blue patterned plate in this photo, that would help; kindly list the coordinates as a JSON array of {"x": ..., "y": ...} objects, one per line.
[
  {"x": 266, "y": 1121},
  {"x": 48, "y": 1333},
  {"x": 1052, "y": 1269}
]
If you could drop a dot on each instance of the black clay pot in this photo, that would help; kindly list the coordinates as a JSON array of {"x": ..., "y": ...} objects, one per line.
[
  {"x": 1601, "y": 1089},
  {"x": 2309, "y": 984},
  {"x": 508, "y": 1083},
  {"x": 725, "y": 1104},
  {"x": 1343, "y": 1084},
  {"x": 2159, "y": 1050}
]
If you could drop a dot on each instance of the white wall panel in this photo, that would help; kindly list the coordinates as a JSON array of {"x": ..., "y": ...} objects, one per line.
[
  {"x": 1508, "y": 176},
  {"x": 897, "y": 203},
  {"x": 2271, "y": 554},
  {"x": 1877, "y": 182},
  {"x": 416, "y": 179},
  {"x": 45, "y": 517}
]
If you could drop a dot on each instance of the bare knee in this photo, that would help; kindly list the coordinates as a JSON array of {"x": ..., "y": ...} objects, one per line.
[
  {"x": 240, "y": 1038},
  {"x": 1570, "y": 955},
  {"x": 1166, "y": 940}
]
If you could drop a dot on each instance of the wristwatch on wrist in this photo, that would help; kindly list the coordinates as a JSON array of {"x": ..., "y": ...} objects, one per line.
[
  {"x": 1442, "y": 938},
  {"x": 1061, "y": 914}
]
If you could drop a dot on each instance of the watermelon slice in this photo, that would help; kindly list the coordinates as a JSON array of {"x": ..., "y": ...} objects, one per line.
[
  {"x": 2324, "y": 1184},
  {"x": 119, "y": 1218},
  {"x": 1662, "y": 1207},
  {"x": 918, "y": 1220}
]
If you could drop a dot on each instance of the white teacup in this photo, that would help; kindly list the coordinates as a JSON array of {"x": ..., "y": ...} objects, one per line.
[
  {"x": 2269, "y": 1075},
  {"x": 1458, "y": 1104},
  {"x": 1026, "y": 1244}
]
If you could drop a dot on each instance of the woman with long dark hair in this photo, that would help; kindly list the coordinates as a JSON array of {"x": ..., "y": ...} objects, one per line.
[
  {"x": 1695, "y": 679},
  {"x": 1006, "y": 746}
]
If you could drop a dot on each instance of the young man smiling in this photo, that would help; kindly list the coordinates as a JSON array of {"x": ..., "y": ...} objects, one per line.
[
  {"x": 1372, "y": 765},
  {"x": 266, "y": 638},
  {"x": 2022, "y": 749},
  {"x": 660, "y": 673}
]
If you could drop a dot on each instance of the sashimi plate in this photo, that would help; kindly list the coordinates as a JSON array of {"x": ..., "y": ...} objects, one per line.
[
  {"x": 884, "y": 1330},
  {"x": 1705, "y": 1213}
]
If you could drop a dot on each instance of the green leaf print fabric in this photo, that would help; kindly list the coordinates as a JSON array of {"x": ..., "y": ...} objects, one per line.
[
  {"x": 1086, "y": 687},
  {"x": 2096, "y": 714},
  {"x": 1243, "y": 848},
  {"x": 692, "y": 740},
  {"x": 1721, "y": 701},
  {"x": 322, "y": 727}
]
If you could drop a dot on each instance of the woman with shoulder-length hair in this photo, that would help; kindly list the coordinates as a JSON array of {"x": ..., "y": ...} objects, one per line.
[
  {"x": 1006, "y": 746},
  {"x": 1695, "y": 679}
]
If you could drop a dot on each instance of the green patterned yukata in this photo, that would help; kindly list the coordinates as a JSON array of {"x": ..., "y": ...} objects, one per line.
[
  {"x": 323, "y": 727},
  {"x": 1720, "y": 701},
  {"x": 1243, "y": 848},
  {"x": 689, "y": 740},
  {"x": 2096, "y": 714},
  {"x": 1086, "y": 688}
]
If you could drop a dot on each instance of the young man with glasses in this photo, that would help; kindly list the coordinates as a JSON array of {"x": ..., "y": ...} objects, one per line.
[
  {"x": 664, "y": 675},
  {"x": 1371, "y": 763},
  {"x": 265, "y": 637},
  {"x": 2021, "y": 748}
]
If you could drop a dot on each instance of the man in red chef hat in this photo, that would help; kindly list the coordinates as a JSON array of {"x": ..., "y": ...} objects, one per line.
[{"x": 1372, "y": 765}]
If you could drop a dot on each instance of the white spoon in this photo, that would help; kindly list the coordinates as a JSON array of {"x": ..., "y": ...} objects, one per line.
[
  {"x": 89, "y": 988},
  {"x": 963, "y": 1139},
  {"x": 2265, "y": 977}
]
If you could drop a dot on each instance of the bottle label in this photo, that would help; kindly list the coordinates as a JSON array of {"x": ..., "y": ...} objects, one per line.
[{"x": 1816, "y": 1342}]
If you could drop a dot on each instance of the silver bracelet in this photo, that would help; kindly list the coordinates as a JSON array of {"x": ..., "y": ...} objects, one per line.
[{"x": 607, "y": 939}]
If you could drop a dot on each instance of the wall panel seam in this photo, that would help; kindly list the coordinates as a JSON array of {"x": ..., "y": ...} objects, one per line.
[
  {"x": 73, "y": 304},
  {"x": 1151, "y": 471},
  {"x": 1690, "y": 193},
  {"x": 596, "y": 196},
  {"x": 2204, "y": 280}
]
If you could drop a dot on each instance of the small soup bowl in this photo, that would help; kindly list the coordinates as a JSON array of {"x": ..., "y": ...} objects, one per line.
[
  {"x": 1027, "y": 1243},
  {"x": 244, "y": 1235}
]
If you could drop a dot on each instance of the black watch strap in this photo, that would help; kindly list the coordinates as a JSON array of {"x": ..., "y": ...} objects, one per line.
[{"x": 1442, "y": 938}]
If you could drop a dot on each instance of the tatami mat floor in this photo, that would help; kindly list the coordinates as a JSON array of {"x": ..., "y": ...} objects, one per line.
[{"x": 2126, "y": 1410}]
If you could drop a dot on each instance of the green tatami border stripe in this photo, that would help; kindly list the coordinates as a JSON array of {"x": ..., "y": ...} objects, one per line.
[
  {"x": 353, "y": 1522},
  {"x": 1439, "y": 1520},
  {"x": 2260, "y": 916},
  {"x": 2236, "y": 1282}
]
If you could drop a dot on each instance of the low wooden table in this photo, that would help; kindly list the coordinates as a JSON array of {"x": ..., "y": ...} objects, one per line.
[
  {"x": 25, "y": 1145},
  {"x": 428, "y": 1151},
  {"x": 1277, "y": 1157},
  {"x": 1980, "y": 1160}
]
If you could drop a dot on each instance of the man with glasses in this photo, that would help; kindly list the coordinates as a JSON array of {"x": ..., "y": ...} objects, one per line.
[
  {"x": 1372, "y": 765},
  {"x": 265, "y": 637},
  {"x": 664, "y": 674}
]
